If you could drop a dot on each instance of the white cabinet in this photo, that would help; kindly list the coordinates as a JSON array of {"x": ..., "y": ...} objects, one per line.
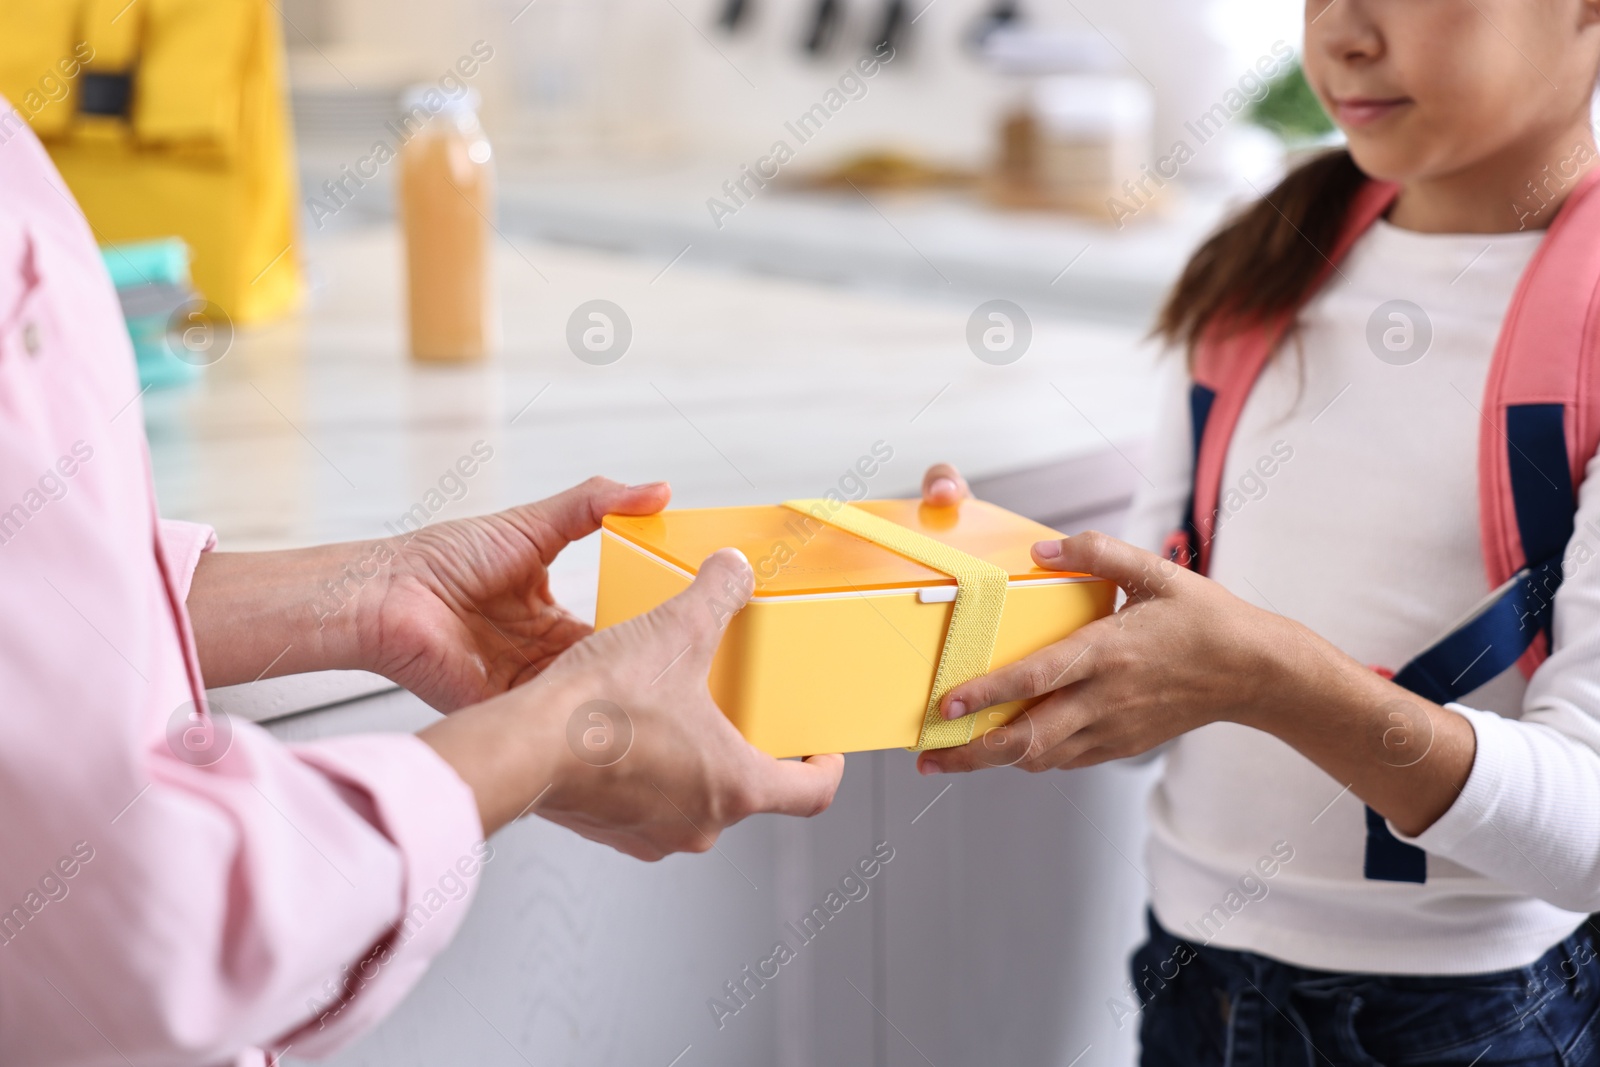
[{"x": 995, "y": 935}]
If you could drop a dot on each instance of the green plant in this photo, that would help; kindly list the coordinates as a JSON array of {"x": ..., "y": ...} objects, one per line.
[{"x": 1290, "y": 109}]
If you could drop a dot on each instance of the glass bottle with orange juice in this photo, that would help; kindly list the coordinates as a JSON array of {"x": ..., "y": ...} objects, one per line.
[{"x": 446, "y": 198}]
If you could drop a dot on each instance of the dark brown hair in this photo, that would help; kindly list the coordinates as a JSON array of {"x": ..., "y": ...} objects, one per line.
[{"x": 1266, "y": 260}]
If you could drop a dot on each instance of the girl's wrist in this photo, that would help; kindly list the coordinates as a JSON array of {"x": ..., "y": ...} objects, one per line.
[
  {"x": 1406, "y": 757},
  {"x": 1301, "y": 679}
]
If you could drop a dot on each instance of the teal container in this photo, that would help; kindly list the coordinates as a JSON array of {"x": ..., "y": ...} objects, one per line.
[{"x": 152, "y": 280}]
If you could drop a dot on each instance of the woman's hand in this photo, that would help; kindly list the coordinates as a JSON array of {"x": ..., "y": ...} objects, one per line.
[
  {"x": 620, "y": 740},
  {"x": 456, "y": 611},
  {"x": 464, "y": 610},
  {"x": 614, "y": 734}
]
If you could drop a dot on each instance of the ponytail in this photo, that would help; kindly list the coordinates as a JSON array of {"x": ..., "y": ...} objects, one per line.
[{"x": 1267, "y": 260}]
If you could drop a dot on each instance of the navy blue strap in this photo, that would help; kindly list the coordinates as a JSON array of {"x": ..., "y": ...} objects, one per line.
[
  {"x": 1390, "y": 859},
  {"x": 1490, "y": 642},
  {"x": 1541, "y": 484},
  {"x": 1493, "y": 639},
  {"x": 1479, "y": 650},
  {"x": 1200, "y": 400}
]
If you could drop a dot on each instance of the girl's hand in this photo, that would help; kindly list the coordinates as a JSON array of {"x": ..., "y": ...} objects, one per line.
[
  {"x": 943, "y": 485},
  {"x": 1181, "y": 652},
  {"x": 464, "y": 611},
  {"x": 620, "y": 740}
]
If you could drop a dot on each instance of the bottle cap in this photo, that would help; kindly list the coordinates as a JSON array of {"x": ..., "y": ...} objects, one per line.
[{"x": 434, "y": 100}]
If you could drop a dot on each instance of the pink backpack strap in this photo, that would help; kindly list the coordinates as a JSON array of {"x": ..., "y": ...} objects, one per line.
[
  {"x": 1226, "y": 365},
  {"x": 1541, "y": 410}
]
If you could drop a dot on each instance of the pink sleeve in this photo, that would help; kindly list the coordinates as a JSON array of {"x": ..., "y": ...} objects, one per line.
[
  {"x": 282, "y": 897},
  {"x": 173, "y": 889},
  {"x": 182, "y": 544},
  {"x": 400, "y": 787},
  {"x": 416, "y": 799}
]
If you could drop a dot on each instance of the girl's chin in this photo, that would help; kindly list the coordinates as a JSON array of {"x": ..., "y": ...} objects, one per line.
[{"x": 1385, "y": 159}]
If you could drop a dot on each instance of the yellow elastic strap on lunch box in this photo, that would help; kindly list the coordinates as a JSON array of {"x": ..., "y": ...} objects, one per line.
[{"x": 974, "y": 622}]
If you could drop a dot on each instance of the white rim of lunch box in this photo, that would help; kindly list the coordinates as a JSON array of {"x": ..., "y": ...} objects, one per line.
[{"x": 926, "y": 594}]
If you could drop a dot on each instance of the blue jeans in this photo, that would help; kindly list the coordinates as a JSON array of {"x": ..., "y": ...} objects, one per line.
[{"x": 1213, "y": 1007}]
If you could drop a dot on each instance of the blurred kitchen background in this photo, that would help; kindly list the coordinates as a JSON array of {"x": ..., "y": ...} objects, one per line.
[{"x": 1059, "y": 156}]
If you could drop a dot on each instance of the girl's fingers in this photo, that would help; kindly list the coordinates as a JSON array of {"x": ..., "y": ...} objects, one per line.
[
  {"x": 1141, "y": 574},
  {"x": 943, "y": 485},
  {"x": 1073, "y": 750},
  {"x": 1020, "y": 743},
  {"x": 1070, "y": 660},
  {"x": 1090, "y": 758},
  {"x": 952, "y": 760}
]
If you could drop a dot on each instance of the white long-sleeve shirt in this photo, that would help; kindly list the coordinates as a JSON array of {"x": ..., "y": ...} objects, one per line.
[{"x": 1368, "y": 533}]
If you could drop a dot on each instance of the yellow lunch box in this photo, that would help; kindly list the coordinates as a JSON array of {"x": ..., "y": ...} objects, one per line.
[{"x": 846, "y": 640}]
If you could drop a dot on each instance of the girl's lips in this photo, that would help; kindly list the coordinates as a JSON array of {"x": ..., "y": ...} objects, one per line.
[{"x": 1363, "y": 111}]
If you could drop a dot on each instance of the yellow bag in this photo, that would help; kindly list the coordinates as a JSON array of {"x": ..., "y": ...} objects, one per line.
[{"x": 167, "y": 117}]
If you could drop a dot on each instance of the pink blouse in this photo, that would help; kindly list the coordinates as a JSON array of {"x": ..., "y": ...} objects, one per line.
[{"x": 156, "y": 905}]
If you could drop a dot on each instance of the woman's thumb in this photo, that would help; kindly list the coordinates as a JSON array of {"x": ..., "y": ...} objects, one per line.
[{"x": 722, "y": 587}]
